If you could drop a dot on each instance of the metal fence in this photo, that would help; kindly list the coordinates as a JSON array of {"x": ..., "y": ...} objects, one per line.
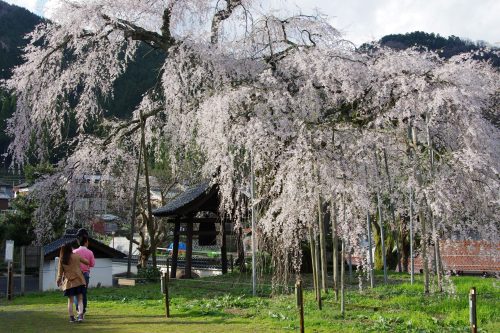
[{"x": 27, "y": 269}]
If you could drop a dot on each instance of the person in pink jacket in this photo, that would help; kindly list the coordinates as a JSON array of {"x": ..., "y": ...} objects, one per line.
[{"x": 85, "y": 253}]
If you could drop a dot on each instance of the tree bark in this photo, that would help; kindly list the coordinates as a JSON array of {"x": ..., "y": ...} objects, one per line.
[
  {"x": 381, "y": 221},
  {"x": 424, "y": 250},
  {"x": 132, "y": 218},
  {"x": 150, "y": 223},
  {"x": 391, "y": 204}
]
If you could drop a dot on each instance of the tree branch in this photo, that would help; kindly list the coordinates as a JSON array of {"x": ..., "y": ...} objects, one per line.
[
  {"x": 135, "y": 32},
  {"x": 220, "y": 16}
]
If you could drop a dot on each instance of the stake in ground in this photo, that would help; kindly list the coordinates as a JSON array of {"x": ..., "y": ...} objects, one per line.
[{"x": 225, "y": 304}]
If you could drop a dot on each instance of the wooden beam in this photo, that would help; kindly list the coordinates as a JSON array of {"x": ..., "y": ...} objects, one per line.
[
  {"x": 200, "y": 233},
  {"x": 194, "y": 220}
]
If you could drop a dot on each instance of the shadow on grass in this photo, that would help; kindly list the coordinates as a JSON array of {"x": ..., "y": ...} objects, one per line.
[{"x": 19, "y": 320}]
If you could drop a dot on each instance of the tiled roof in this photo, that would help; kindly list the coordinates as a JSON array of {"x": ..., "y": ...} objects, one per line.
[
  {"x": 94, "y": 245},
  {"x": 189, "y": 195},
  {"x": 467, "y": 256},
  {"x": 56, "y": 245}
]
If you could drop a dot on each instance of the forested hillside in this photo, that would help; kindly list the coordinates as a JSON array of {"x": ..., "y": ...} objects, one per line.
[
  {"x": 16, "y": 22},
  {"x": 446, "y": 47}
]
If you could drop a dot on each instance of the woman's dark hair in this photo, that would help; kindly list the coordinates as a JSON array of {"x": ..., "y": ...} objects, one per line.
[
  {"x": 82, "y": 235},
  {"x": 65, "y": 253},
  {"x": 83, "y": 239},
  {"x": 75, "y": 244},
  {"x": 82, "y": 232}
]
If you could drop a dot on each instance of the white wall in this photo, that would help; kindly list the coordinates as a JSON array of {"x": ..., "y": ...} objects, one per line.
[
  {"x": 50, "y": 275},
  {"x": 102, "y": 272}
]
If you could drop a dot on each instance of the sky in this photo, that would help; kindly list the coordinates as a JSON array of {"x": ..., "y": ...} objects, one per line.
[{"x": 367, "y": 20}]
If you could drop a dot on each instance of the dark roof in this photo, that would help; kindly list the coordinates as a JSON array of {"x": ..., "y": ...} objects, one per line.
[
  {"x": 100, "y": 250},
  {"x": 199, "y": 197}
]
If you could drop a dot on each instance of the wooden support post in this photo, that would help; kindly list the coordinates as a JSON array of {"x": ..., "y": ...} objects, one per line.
[
  {"x": 370, "y": 255},
  {"x": 223, "y": 248},
  {"x": 318, "y": 289},
  {"x": 189, "y": 251},
  {"x": 423, "y": 243},
  {"x": 349, "y": 260},
  {"x": 165, "y": 291},
  {"x": 369, "y": 239},
  {"x": 132, "y": 217},
  {"x": 313, "y": 261},
  {"x": 335, "y": 251},
  {"x": 382, "y": 235},
  {"x": 10, "y": 282},
  {"x": 175, "y": 250},
  {"x": 23, "y": 270},
  {"x": 342, "y": 280},
  {"x": 437, "y": 260},
  {"x": 300, "y": 304},
  {"x": 472, "y": 310},
  {"x": 40, "y": 269},
  {"x": 412, "y": 262},
  {"x": 322, "y": 242}
]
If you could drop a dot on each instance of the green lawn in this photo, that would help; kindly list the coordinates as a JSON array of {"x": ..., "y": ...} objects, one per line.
[{"x": 223, "y": 304}]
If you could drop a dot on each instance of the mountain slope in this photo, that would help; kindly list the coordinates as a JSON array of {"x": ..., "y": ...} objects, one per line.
[{"x": 15, "y": 23}]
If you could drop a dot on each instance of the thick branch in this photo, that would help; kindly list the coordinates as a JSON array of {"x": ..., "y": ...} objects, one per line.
[
  {"x": 165, "y": 29},
  {"x": 135, "y": 32},
  {"x": 220, "y": 16},
  {"x": 126, "y": 125}
]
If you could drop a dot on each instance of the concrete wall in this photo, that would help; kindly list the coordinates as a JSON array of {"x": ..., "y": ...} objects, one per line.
[
  {"x": 50, "y": 274},
  {"x": 101, "y": 273}
]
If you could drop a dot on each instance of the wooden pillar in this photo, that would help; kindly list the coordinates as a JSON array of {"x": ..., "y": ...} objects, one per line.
[
  {"x": 23, "y": 270},
  {"x": 10, "y": 280},
  {"x": 342, "y": 280},
  {"x": 175, "y": 250},
  {"x": 189, "y": 250},
  {"x": 335, "y": 250},
  {"x": 223, "y": 248},
  {"x": 472, "y": 310},
  {"x": 322, "y": 243},
  {"x": 312, "y": 246},
  {"x": 300, "y": 304},
  {"x": 165, "y": 291},
  {"x": 40, "y": 268}
]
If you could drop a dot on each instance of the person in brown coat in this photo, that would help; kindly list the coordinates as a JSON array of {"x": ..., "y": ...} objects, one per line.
[{"x": 70, "y": 279}]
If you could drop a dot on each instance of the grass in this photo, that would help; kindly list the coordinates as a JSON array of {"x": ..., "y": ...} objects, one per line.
[{"x": 224, "y": 304}]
